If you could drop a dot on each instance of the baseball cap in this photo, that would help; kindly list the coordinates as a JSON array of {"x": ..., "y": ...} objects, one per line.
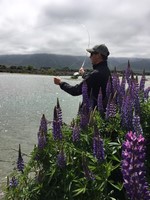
[{"x": 102, "y": 49}]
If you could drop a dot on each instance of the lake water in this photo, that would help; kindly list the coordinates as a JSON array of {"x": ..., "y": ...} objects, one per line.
[{"x": 23, "y": 100}]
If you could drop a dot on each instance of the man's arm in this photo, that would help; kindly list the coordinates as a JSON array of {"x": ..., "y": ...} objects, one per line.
[{"x": 72, "y": 90}]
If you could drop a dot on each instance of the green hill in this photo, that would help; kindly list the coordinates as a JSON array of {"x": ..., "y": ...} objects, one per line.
[{"x": 72, "y": 62}]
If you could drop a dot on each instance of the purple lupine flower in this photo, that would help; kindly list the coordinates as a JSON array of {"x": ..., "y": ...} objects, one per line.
[
  {"x": 85, "y": 96},
  {"x": 134, "y": 92},
  {"x": 20, "y": 162},
  {"x": 76, "y": 133},
  {"x": 57, "y": 133},
  {"x": 41, "y": 140},
  {"x": 127, "y": 112},
  {"x": 111, "y": 109},
  {"x": 136, "y": 125},
  {"x": 43, "y": 125},
  {"x": 85, "y": 107},
  {"x": 123, "y": 85},
  {"x": 142, "y": 82},
  {"x": 87, "y": 172},
  {"x": 61, "y": 159},
  {"x": 98, "y": 146},
  {"x": 146, "y": 93},
  {"x": 107, "y": 108},
  {"x": 13, "y": 182},
  {"x": 116, "y": 87},
  {"x": 100, "y": 106},
  {"x": 84, "y": 116},
  {"x": 42, "y": 133},
  {"x": 135, "y": 95},
  {"x": 122, "y": 90},
  {"x": 133, "y": 168},
  {"x": 59, "y": 111},
  {"x": 79, "y": 109},
  {"x": 115, "y": 81},
  {"x": 128, "y": 72},
  {"x": 109, "y": 88}
]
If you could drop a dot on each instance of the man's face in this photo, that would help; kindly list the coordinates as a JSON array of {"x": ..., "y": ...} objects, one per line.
[{"x": 95, "y": 58}]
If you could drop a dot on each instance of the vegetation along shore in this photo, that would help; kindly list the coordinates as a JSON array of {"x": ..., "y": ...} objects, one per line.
[{"x": 64, "y": 71}]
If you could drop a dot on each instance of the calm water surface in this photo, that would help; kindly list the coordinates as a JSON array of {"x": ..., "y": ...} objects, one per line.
[{"x": 23, "y": 100}]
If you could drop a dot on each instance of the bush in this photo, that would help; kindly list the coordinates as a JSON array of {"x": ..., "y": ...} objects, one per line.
[{"x": 99, "y": 156}]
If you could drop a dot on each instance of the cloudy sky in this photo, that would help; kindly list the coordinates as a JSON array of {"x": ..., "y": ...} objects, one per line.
[{"x": 71, "y": 26}]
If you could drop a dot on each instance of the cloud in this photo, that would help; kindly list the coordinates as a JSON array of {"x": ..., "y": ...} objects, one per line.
[{"x": 69, "y": 27}]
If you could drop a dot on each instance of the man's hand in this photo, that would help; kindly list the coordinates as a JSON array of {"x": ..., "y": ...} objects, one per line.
[
  {"x": 81, "y": 71},
  {"x": 57, "y": 80}
]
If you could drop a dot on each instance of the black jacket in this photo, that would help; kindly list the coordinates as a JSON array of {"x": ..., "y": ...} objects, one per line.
[{"x": 96, "y": 79}]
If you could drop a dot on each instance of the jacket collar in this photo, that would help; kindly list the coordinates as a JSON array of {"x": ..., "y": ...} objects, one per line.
[{"x": 103, "y": 63}]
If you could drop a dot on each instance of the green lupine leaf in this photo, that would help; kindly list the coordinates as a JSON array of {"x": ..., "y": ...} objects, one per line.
[
  {"x": 115, "y": 158},
  {"x": 118, "y": 186},
  {"x": 79, "y": 191}
]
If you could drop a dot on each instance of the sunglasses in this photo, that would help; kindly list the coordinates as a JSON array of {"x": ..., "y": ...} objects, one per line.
[{"x": 94, "y": 53}]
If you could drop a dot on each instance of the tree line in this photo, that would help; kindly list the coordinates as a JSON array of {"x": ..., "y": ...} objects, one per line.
[{"x": 43, "y": 70}]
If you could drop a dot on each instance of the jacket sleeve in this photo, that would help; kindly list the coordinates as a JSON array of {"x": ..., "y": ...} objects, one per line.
[
  {"x": 72, "y": 90},
  {"x": 77, "y": 89},
  {"x": 84, "y": 75}
]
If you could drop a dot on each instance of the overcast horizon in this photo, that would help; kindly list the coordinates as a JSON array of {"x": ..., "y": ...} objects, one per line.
[{"x": 68, "y": 27}]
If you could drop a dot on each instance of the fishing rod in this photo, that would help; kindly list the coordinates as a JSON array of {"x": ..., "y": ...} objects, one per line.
[{"x": 88, "y": 44}]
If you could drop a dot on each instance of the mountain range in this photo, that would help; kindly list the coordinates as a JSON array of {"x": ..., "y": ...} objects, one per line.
[{"x": 56, "y": 61}]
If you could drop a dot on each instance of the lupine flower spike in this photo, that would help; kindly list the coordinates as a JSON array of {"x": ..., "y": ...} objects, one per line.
[
  {"x": 128, "y": 72},
  {"x": 133, "y": 168},
  {"x": 20, "y": 162},
  {"x": 127, "y": 112},
  {"x": 122, "y": 90},
  {"x": 137, "y": 125},
  {"x": 43, "y": 125},
  {"x": 84, "y": 117},
  {"x": 61, "y": 159},
  {"x": 87, "y": 172},
  {"x": 100, "y": 102},
  {"x": 111, "y": 108},
  {"x": 134, "y": 92},
  {"x": 98, "y": 146},
  {"x": 142, "y": 82},
  {"x": 76, "y": 133},
  {"x": 115, "y": 81},
  {"x": 85, "y": 96},
  {"x": 59, "y": 111},
  {"x": 85, "y": 107},
  {"x": 42, "y": 134},
  {"x": 108, "y": 88},
  {"x": 13, "y": 182},
  {"x": 41, "y": 140},
  {"x": 57, "y": 133}
]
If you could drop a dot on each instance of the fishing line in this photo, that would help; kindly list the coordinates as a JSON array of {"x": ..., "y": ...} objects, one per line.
[
  {"x": 88, "y": 38},
  {"x": 88, "y": 44}
]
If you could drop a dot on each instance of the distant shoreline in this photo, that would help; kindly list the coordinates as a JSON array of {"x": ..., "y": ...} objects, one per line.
[{"x": 50, "y": 71}]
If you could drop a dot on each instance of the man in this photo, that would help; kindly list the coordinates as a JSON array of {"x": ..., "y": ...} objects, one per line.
[{"x": 96, "y": 79}]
